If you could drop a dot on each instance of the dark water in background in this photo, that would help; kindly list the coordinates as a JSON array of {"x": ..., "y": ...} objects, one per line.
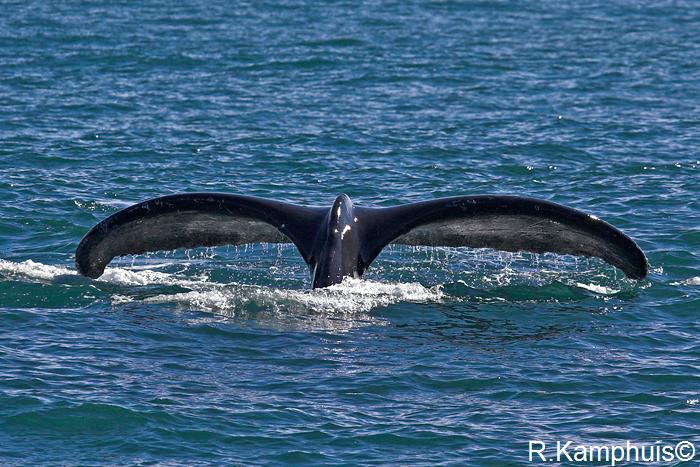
[{"x": 223, "y": 356}]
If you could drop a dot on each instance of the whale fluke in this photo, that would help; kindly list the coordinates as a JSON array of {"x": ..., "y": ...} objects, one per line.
[
  {"x": 344, "y": 240},
  {"x": 192, "y": 220},
  {"x": 507, "y": 223}
]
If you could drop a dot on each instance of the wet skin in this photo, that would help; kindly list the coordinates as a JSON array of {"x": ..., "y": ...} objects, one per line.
[
  {"x": 337, "y": 254},
  {"x": 343, "y": 241}
]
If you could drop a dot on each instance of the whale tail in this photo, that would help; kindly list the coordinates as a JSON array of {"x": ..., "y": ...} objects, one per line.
[
  {"x": 506, "y": 223},
  {"x": 192, "y": 220}
]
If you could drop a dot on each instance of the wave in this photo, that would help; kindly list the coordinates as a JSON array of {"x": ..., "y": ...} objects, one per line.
[
  {"x": 118, "y": 276},
  {"x": 33, "y": 270},
  {"x": 351, "y": 296},
  {"x": 691, "y": 281}
]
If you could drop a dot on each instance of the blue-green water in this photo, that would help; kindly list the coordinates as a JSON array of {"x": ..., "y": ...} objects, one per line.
[{"x": 223, "y": 356}]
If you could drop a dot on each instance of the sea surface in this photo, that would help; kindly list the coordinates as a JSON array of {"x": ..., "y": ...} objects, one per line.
[{"x": 439, "y": 356}]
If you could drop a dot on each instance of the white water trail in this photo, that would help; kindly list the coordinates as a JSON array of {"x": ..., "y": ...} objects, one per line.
[
  {"x": 119, "y": 276},
  {"x": 598, "y": 289},
  {"x": 352, "y": 295},
  {"x": 690, "y": 281},
  {"x": 32, "y": 270}
]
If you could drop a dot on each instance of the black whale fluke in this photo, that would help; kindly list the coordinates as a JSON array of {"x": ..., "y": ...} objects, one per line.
[{"x": 344, "y": 240}]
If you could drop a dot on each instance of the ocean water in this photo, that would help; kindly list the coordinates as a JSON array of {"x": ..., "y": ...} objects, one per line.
[{"x": 439, "y": 356}]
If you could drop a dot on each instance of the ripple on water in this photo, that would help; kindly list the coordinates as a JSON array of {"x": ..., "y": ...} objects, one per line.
[{"x": 225, "y": 357}]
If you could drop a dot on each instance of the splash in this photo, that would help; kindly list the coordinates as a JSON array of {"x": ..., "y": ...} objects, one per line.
[
  {"x": 599, "y": 289},
  {"x": 32, "y": 270},
  {"x": 352, "y": 295},
  {"x": 121, "y": 276},
  {"x": 118, "y": 276},
  {"x": 691, "y": 281},
  {"x": 339, "y": 308}
]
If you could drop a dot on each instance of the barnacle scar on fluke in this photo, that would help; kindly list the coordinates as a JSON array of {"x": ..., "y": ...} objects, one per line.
[{"x": 344, "y": 240}]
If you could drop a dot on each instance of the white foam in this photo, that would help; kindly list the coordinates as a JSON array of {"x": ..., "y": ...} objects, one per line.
[
  {"x": 352, "y": 295},
  {"x": 691, "y": 281},
  {"x": 118, "y": 276},
  {"x": 32, "y": 270},
  {"x": 121, "y": 299},
  {"x": 599, "y": 289}
]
